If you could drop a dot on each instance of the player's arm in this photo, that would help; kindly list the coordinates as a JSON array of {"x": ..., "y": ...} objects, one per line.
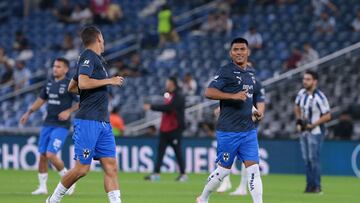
[
  {"x": 73, "y": 87},
  {"x": 260, "y": 111},
  {"x": 174, "y": 104},
  {"x": 85, "y": 82},
  {"x": 216, "y": 94},
  {"x": 34, "y": 107},
  {"x": 65, "y": 115},
  {"x": 323, "y": 119},
  {"x": 258, "y": 101}
]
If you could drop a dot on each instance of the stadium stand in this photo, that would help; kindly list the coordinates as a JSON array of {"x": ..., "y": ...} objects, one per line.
[{"x": 200, "y": 54}]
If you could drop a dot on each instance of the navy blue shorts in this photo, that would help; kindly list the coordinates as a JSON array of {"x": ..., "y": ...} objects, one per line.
[
  {"x": 52, "y": 139},
  {"x": 93, "y": 140},
  {"x": 243, "y": 145}
]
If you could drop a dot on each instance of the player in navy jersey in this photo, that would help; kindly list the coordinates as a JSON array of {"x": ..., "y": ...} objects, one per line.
[
  {"x": 93, "y": 138},
  {"x": 234, "y": 86},
  {"x": 60, "y": 105}
]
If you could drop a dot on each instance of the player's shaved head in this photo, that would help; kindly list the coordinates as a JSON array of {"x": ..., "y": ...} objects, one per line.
[{"x": 89, "y": 35}]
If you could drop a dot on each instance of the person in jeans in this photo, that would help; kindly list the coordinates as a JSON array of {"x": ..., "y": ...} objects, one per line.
[
  {"x": 171, "y": 127},
  {"x": 312, "y": 111}
]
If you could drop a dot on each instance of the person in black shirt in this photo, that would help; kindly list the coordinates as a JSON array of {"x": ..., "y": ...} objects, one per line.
[{"x": 171, "y": 127}]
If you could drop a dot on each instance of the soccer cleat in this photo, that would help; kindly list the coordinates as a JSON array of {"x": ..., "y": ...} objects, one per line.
[
  {"x": 182, "y": 178},
  {"x": 152, "y": 177},
  {"x": 239, "y": 191},
  {"x": 199, "y": 200},
  {"x": 71, "y": 190},
  {"x": 225, "y": 185},
  {"x": 40, "y": 191}
]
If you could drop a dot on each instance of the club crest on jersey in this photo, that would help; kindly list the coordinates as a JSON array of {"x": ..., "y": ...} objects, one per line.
[
  {"x": 61, "y": 90},
  {"x": 239, "y": 79},
  {"x": 226, "y": 157},
  {"x": 86, "y": 153}
]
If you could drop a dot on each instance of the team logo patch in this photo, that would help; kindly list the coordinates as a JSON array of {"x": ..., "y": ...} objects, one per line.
[
  {"x": 86, "y": 153},
  {"x": 226, "y": 156},
  {"x": 61, "y": 90}
]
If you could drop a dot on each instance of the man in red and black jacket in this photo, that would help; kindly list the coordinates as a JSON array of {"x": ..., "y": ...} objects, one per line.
[{"x": 171, "y": 127}]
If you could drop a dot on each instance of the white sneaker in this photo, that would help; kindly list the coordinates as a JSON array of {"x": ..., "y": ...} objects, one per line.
[
  {"x": 40, "y": 191},
  {"x": 199, "y": 200},
  {"x": 225, "y": 186},
  {"x": 239, "y": 191},
  {"x": 71, "y": 190}
]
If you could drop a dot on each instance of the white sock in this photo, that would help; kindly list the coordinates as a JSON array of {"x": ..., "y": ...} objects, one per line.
[
  {"x": 59, "y": 193},
  {"x": 42, "y": 180},
  {"x": 214, "y": 180},
  {"x": 114, "y": 196},
  {"x": 243, "y": 182},
  {"x": 254, "y": 183},
  {"x": 227, "y": 179},
  {"x": 62, "y": 172}
]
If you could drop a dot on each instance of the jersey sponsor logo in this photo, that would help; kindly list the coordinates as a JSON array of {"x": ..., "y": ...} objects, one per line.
[{"x": 86, "y": 153}]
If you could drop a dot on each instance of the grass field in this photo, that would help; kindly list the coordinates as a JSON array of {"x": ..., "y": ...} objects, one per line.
[{"x": 15, "y": 186}]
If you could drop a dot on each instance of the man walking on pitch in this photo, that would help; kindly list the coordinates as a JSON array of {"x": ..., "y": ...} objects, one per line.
[
  {"x": 171, "y": 127},
  {"x": 57, "y": 122},
  {"x": 312, "y": 111},
  {"x": 236, "y": 131},
  {"x": 93, "y": 138}
]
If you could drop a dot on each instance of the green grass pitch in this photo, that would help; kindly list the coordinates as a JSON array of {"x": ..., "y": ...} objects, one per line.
[{"x": 15, "y": 186}]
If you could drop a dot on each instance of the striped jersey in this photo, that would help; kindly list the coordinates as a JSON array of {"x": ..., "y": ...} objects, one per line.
[{"x": 312, "y": 107}]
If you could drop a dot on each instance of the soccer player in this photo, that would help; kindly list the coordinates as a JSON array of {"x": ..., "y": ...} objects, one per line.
[
  {"x": 236, "y": 131},
  {"x": 259, "y": 104},
  {"x": 60, "y": 105},
  {"x": 93, "y": 136},
  {"x": 312, "y": 110}
]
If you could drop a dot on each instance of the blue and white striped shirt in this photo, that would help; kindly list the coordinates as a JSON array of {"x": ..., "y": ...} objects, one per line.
[{"x": 312, "y": 107}]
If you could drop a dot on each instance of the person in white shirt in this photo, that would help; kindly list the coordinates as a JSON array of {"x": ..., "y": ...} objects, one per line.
[
  {"x": 254, "y": 38},
  {"x": 189, "y": 85},
  {"x": 309, "y": 55},
  {"x": 312, "y": 111},
  {"x": 356, "y": 22}
]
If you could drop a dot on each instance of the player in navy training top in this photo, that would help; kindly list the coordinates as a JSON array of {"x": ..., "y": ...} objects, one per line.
[
  {"x": 57, "y": 122},
  {"x": 234, "y": 86},
  {"x": 93, "y": 138}
]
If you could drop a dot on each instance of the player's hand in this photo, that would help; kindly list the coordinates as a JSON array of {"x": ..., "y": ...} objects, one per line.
[
  {"x": 310, "y": 126},
  {"x": 64, "y": 116},
  {"x": 24, "y": 118},
  {"x": 147, "y": 107},
  {"x": 117, "y": 80},
  {"x": 242, "y": 95},
  {"x": 217, "y": 112},
  {"x": 257, "y": 116}
]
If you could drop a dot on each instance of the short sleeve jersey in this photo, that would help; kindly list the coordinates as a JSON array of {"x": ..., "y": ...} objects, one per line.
[
  {"x": 93, "y": 102},
  {"x": 235, "y": 116},
  {"x": 58, "y": 100}
]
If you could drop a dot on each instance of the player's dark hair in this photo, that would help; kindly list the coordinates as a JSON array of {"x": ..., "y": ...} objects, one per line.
[
  {"x": 64, "y": 60},
  {"x": 89, "y": 34},
  {"x": 313, "y": 74},
  {"x": 174, "y": 80},
  {"x": 239, "y": 40}
]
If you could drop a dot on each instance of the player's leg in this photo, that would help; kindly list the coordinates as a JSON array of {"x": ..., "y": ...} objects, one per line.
[
  {"x": 315, "y": 142},
  {"x": 57, "y": 139},
  {"x": 249, "y": 152},
  {"x": 225, "y": 184},
  {"x": 175, "y": 143},
  {"x": 85, "y": 136},
  {"x": 304, "y": 144},
  {"x": 226, "y": 151},
  {"x": 105, "y": 151},
  {"x": 242, "y": 188},
  {"x": 43, "y": 162},
  {"x": 163, "y": 142}
]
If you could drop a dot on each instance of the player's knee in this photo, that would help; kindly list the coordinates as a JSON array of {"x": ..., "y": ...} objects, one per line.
[
  {"x": 50, "y": 155},
  {"x": 82, "y": 171}
]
